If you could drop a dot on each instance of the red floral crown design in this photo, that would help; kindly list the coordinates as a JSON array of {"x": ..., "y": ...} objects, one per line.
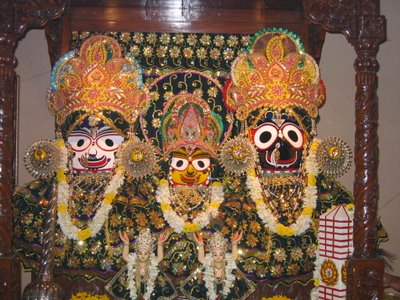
[{"x": 97, "y": 79}]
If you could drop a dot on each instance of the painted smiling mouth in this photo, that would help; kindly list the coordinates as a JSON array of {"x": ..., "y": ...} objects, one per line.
[
  {"x": 93, "y": 163},
  {"x": 189, "y": 180},
  {"x": 280, "y": 163}
]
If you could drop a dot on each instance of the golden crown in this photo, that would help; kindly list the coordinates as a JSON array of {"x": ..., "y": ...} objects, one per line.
[
  {"x": 97, "y": 79},
  {"x": 275, "y": 74},
  {"x": 190, "y": 124},
  {"x": 145, "y": 241},
  {"x": 187, "y": 112},
  {"x": 217, "y": 241}
]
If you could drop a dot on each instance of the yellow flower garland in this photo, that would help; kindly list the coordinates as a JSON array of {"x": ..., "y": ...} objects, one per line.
[
  {"x": 88, "y": 296},
  {"x": 279, "y": 297}
]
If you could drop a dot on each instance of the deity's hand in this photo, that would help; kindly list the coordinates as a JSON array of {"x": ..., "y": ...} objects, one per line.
[
  {"x": 163, "y": 237},
  {"x": 236, "y": 237},
  {"x": 198, "y": 238},
  {"x": 124, "y": 237}
]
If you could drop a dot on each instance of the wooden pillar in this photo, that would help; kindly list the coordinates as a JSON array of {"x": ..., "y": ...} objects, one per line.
[
  {"x": 10, "y": 284},
  {"x": 15, "y": 19},
  {"x": 365, "y": 29},
  {"x": 365, "y": 268}
]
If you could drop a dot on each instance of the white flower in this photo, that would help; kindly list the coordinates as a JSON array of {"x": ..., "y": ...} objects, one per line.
[
  {"x": 64, "y": 193},
  {"x": 309, "y": 200},
  {"x": 201, "y": 220},
  {"x": 230, "y": 266},
  {"x": 153, "y": 272}
]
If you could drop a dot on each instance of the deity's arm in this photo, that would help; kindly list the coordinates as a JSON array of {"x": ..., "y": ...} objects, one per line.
[
  {"x": 160, "y": 252},
  {"x": 125, "y": 251},
  {"x": 200, "y": 247},
  {"x": 160, "y": 248},
  {"x": 236, "y": 237}
]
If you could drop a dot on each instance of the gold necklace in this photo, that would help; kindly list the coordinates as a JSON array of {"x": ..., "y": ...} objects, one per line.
[
  {"x": 186, "y": 200},
  {"x": 86, "y": 191}
]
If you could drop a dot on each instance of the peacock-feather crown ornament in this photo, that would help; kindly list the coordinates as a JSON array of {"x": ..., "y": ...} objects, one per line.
[
  {"x": 98, "y": 81},
  {"x": 275, "y": 74}
]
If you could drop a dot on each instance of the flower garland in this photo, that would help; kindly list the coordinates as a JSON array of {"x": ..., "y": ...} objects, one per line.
[
  {"x": 153, "y": 272},
  {"x": 88, "y": 296},
  {"x": 309, "y": 197},
  {"x": 209, "y": 275},
  {"x": 201, "y": 220},
  {"x": 64, "y": 193}
]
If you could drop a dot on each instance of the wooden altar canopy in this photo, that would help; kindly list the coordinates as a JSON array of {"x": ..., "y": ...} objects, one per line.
[{"x": 358, "y": 20}]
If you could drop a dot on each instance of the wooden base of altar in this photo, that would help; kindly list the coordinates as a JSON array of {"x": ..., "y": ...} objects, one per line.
[
  {"x": 10, "y": 271},
  {"x": 365, "y": 278}
]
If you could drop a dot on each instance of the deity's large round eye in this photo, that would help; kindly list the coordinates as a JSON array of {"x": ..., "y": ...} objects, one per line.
[
  {"x": 200, "y": 164},
  {"x": 109, "y": 142},
  {"x": 79, "y": 142},
  {"x": 265, "y": 135},
  {"x": 179, "y": 163},
  {"x": 293, "y": 135}
]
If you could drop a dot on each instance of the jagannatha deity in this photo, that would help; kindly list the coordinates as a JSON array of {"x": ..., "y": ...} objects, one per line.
[
  {"x": 91, "y": 173},
  {"x": 281, "y": 176},
  {"x": 187, "y": 123}
]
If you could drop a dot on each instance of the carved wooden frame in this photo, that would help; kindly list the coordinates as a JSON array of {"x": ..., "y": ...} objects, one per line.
[{"x": 358, "y": 20}]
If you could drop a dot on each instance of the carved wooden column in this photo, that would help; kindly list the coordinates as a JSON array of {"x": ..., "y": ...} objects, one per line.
[
  {"x": 365, "y": 29},
  {"x": 15, "y": 18},
  {"x": 9, "y": 267},
  {"x": 366, "y": 270}
]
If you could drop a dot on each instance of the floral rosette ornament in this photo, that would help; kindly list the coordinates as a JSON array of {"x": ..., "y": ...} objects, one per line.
[
  {"x": 138, "y": 158},
  {"x": 238, "y": 155},
  {"x": 96, "y": 96},
  {"x": 329, "y": 272},
  {"x": 187, "y": 122},
  {"x": 42, "y": 158},
  {"x": 334, "y": 156}
]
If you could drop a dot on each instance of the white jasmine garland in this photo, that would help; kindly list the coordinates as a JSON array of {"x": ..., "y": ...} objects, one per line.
[
  {"x": 314, "y": 294},
  {"x": 209, "y": 279},
  {"x": 309, "y": 199},
  {"x": 64, "y": 193},
  {"x": 153, "y": 272},
  {"x": 178, "y": 223}
]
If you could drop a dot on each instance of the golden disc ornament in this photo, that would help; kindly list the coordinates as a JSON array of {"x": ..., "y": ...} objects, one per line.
[
  {"x": 333, "y": 156},
  {"x": 138, "y": 158},
  {"x": 42, "y": 158},
  {"x": 238, "y": 155},
  {"x": 137, "y": 155}
]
